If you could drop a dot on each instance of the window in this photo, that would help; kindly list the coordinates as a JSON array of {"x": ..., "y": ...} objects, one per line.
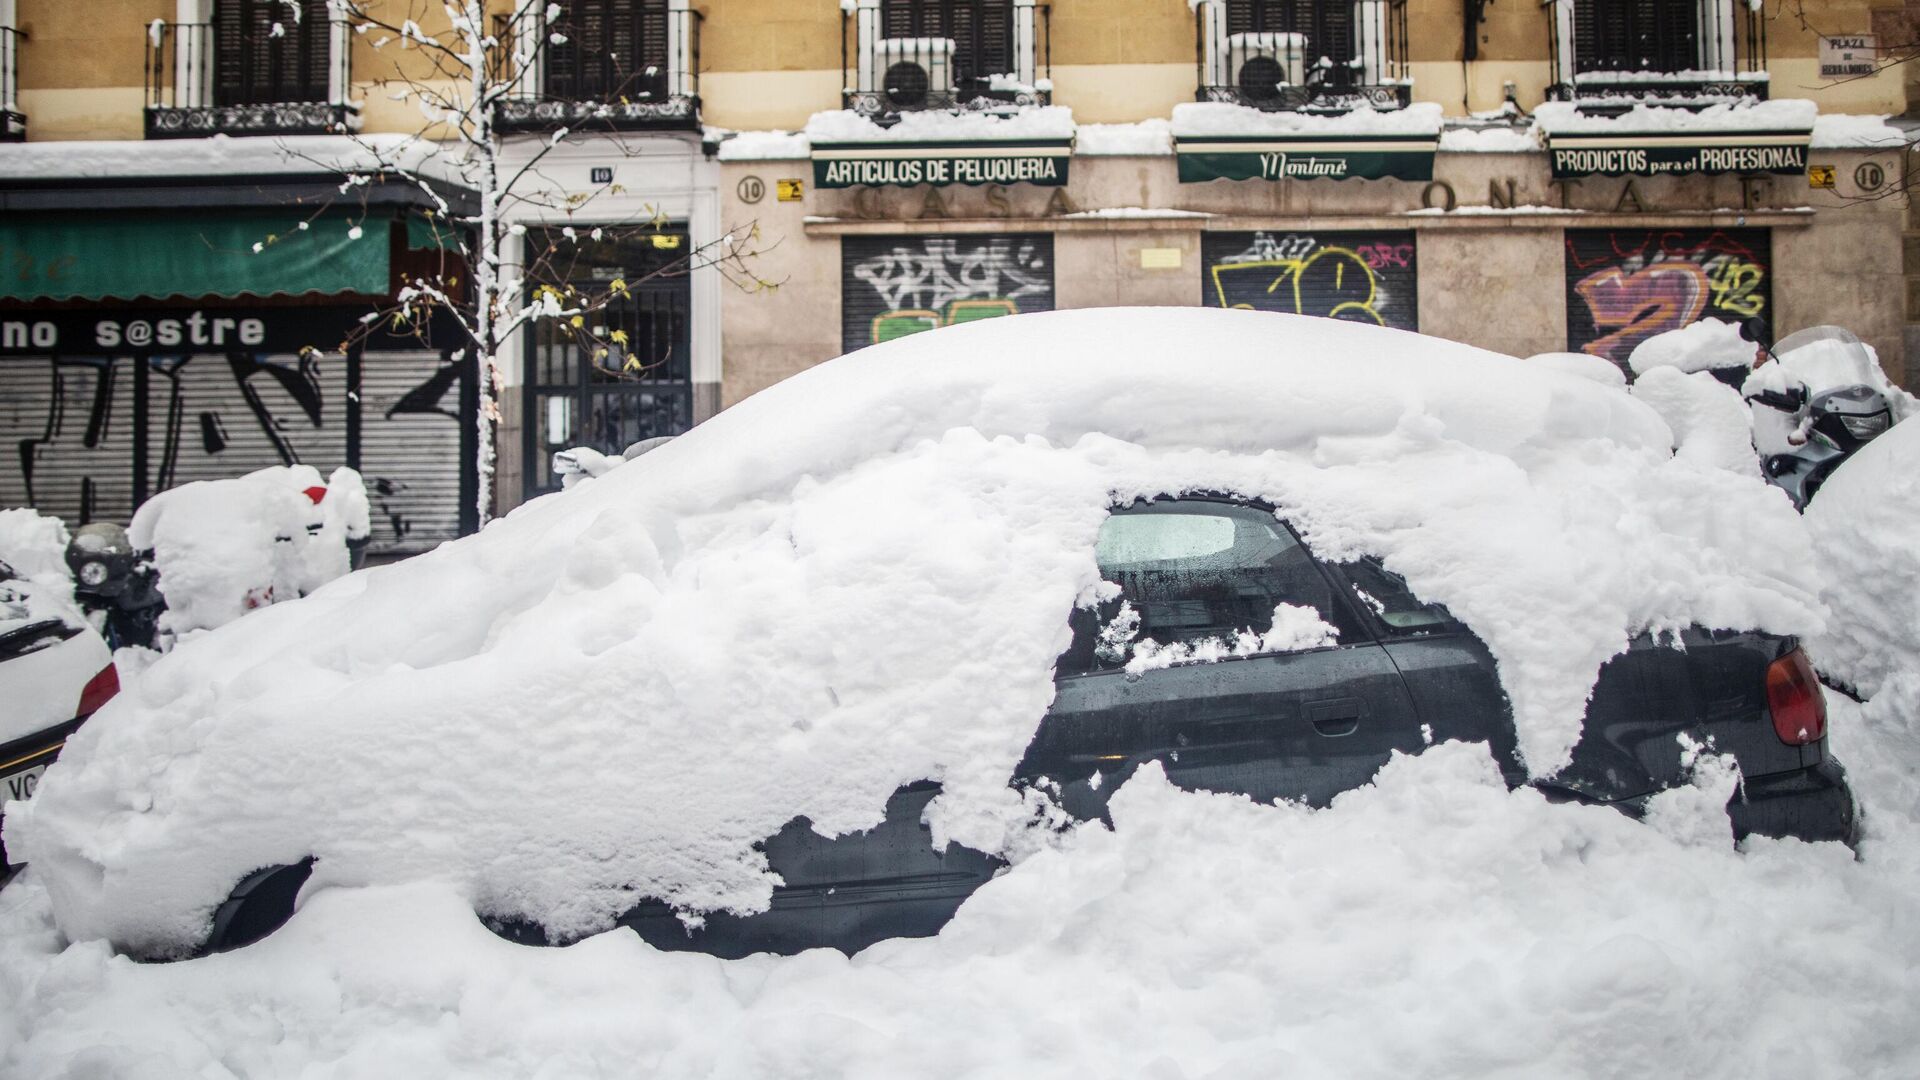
[
  {"x": 1194, "y": 571},
  {"x": 1637, "y": 35},
  {"x": 1321, "y": 55},
  {"x": 268, "y": 52},
  {"x": 946, "y": 54},
  {"x": 612, "y": 49},
  {"x": 1392, "y": 601}
]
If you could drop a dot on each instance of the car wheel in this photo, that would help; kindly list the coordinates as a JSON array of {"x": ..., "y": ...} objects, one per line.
[{"x": 259, "y": 905}]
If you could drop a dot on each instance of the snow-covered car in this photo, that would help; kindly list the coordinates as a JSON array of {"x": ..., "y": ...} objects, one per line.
[
  {"x": 55, "y": 671},
  {"x": 812, "y": 672}
]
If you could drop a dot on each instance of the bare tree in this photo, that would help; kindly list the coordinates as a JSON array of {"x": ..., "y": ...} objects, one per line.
[{"x": 459, "y": 62}]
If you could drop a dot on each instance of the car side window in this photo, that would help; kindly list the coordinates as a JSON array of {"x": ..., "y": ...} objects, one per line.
[
  {"x": 1391, "y": 600},
  {"x": 1201, "y": 579}
]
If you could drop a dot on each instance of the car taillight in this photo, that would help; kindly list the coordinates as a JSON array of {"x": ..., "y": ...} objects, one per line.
[
  {"x": 1793, "y": 697},
  {"x": 98, "y": 691}
]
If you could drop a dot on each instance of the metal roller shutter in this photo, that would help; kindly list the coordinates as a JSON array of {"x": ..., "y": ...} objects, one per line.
[
  {"x": 892, "y": 286},
  {"x": 410, "y": 431},
  {"x": 214, "y": 415},
  {"x": 1357, "y": 276},
  {"x": 68, "y": 426},
  {"x": 1626, "y": 285}
]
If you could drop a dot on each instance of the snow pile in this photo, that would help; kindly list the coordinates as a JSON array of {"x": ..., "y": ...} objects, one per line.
[
  {"x": 1845, "y": 131},
  {"x": 1490, "y": 140},
  {"x": 1205, "y": 935},
  {"x": 1779, "y": 114},
  {"x": 217, "y": 155},
  {"x": 763, "y": 145},
  {"x": 1863, "y": 530},
  {"x": 1585, "y": 365},
  {"x": 1221, "y": 118},
  {"x": 847, "y": 126},
  {"x": 35, "y": 546},
  {"x": 859, "y": 578},
  {"x": 1710, "y": 421},
  {"x": 226, "y": 547},
  {"x": 1295, "y": 629},
  {"x": 1148, "y": 138},
  {"x": 1702, "y": 346}
]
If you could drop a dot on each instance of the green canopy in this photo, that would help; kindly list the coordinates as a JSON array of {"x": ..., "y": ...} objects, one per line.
[{"x": 65, "y": 256}]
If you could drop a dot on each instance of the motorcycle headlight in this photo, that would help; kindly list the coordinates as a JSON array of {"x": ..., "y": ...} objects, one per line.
[
  {"x": 1865, "y": 427},
  {"x": 93, "y": 573}
]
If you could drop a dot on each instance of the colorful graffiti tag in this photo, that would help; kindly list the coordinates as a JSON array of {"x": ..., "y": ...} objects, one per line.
[
  {"x": 895, "y": 286},
  {"x": 1357, "y": 276},
  {"x": 1626, "y": 285}
]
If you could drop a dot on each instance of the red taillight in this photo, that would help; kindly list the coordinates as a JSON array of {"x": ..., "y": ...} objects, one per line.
[
  {"x": 315, "y": 493},
  {"x": 1793, "y": 697},
  {"x": 99, "y": 690}
]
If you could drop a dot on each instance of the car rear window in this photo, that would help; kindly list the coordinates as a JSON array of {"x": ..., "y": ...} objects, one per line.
[{"x": 1194, "y": 570}]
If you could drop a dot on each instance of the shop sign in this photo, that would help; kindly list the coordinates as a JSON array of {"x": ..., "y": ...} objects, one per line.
[
  {"x": 1780, "y": 152},
  {"x": 844, "y": 165},
  {"x": 1848, "y": 56},
  {"x": 120, "y": 331},
  {"x": 1240, "y": 158}
]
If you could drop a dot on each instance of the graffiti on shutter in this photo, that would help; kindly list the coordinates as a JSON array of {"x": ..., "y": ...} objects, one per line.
[
  {"x": 895, "y": 286},
  {"x": 1356, "y": 276},
  {"x": 1626, "y": 285},
  {"x": 71, "y": 421},
  {"x": 67, "y": 423},
  {"x": 410, "y": 425}
]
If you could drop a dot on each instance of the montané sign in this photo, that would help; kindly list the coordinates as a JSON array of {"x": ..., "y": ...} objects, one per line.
[{"x": 1240, "y": 157}]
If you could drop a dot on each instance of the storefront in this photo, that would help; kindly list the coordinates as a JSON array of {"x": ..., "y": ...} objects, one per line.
[
  {"x": 146, "y": 347},
  {"x": 1476, "y": 236}
]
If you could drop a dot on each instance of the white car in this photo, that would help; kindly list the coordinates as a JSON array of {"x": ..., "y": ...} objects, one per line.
[{"x": 55, "y": 671}]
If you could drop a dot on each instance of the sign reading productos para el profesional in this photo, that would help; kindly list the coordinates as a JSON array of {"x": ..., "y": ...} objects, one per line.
[{"x": 1783, "y": 153}]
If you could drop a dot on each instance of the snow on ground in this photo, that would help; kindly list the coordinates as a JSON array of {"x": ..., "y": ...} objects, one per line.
[{"x": 1431, "y": 923}]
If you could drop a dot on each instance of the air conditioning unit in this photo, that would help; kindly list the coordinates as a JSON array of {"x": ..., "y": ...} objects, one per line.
[
  {"x": 909, "y": 71},
  {"x": 1258, "y": 63}
]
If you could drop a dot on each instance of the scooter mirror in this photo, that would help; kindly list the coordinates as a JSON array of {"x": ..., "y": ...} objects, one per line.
[{"x": 1756, "y": 330}]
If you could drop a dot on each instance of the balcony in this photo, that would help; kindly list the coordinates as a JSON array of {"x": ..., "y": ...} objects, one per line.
[
  {"x": 13, "y": 123},
  {"x": 1609, "y": 57},
  {"x": 609, "y": 65},
  {"x": 1312, "y": 56},
  {"x": 992, "y": 56},
  {"x": 232, "y": 78}
]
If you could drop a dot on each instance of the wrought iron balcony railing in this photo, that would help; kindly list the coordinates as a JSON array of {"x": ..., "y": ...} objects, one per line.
[
  {"x": 217, "y": 79},
  {"x": 610, "y": 64},
  {"x": 1608, "y": 57},
  {"x": 1323, "y": 56},
  {"x": 901, "y": 56},
  {"x": 13, "y": 123}
]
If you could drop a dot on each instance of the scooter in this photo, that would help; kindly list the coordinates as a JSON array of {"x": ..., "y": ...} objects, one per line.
[
  {"x": 1803, "y": 434},
  {"x": 115, "y": 585}
]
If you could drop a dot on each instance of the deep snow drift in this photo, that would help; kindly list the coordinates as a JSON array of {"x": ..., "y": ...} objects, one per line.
[{"x": 860, "y": 578}]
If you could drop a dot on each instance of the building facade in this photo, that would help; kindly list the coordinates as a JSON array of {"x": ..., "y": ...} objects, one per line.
[{"x": 1573, "y": 175}]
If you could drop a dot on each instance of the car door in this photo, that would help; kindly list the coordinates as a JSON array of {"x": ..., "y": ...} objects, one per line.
[{"x": 1191, "y": 667}]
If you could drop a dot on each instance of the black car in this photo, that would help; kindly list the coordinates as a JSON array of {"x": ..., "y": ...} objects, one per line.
[{"x": 1302, "y": 725}]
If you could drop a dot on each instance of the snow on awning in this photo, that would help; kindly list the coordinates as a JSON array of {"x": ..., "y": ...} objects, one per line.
[
  {"x": 1032, "y": 146},
  {"x": 1232, "y": 142},
  {"x": 1769, "y": 137}
]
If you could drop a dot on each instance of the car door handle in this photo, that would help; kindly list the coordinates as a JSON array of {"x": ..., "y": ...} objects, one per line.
[{"x": 1336, "y": 717}]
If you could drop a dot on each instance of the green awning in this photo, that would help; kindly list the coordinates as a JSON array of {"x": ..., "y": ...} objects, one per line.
[
  {"x": 1305, "y": 157},
  {"x": 131, "y": 257}
]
